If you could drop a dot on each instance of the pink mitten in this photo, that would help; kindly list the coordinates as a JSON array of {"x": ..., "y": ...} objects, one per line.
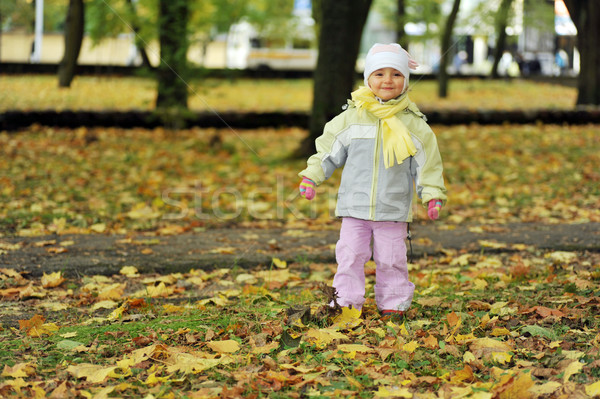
[
  {"x": 307, "y": 188},
  {"x": 433, "y": 211}
]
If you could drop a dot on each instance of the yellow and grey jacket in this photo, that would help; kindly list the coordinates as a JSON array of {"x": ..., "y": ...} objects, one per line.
[{"x": 368, "y": 190}]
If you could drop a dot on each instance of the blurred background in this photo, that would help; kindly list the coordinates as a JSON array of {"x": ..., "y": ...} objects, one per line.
[{"x": 282, "y": 35}]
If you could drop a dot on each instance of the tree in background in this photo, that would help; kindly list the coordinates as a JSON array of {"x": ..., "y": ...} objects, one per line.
[
  {"x": 401, "y": 37},
  {"x": 424, "y": 14},
  {"x": 172, "y": 73},
  {"x": 342, "y": 23},
  {"x": 446, "y": 44},
  {"x": 586, "y": 17},
  {"x": 110, "y": 19},
  {"x": 74, "y": 25},
  {"x": 501, "y": 24}
]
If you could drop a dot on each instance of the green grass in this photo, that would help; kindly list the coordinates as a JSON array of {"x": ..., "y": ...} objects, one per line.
[{"x": 31, "y": 92}]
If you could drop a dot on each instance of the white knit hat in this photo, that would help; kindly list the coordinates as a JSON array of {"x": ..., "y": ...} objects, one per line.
[{"x": 389, "y": 56}]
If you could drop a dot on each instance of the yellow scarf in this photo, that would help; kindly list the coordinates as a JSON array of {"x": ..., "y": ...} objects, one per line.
[{"x": 396, "y": 138}]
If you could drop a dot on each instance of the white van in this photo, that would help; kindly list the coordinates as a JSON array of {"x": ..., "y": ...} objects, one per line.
[{"x": 247, "y": 49}]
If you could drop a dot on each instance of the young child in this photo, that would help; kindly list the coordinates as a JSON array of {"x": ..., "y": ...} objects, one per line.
[{"x": 386, "y": 148}]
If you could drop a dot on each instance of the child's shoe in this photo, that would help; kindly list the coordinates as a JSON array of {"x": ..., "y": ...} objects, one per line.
[{"x": 392, "y": 315}]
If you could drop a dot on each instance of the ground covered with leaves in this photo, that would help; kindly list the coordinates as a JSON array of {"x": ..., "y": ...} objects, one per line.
[
  {"x": 117, "y": 181},
  {"x": 500, "y": 323},
  {"x": 515, "y": 325}
]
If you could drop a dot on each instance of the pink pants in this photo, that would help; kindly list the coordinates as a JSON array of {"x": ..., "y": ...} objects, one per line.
[{"x": 393, "y": 290}]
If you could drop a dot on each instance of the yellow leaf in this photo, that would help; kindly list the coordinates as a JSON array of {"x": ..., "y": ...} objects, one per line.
[
  {"x": 52, "y": 280},
  {"x": 348, "y": 319},
  {"x": 93, "y": 373},
  {"x": 562, "y": 256},
  {"x": 281, "y": 264},
  {"x": 379, "y": 331},
  {"x": 16, "y": 384},
  {"x": 108, "y": 304},
  {"x": 160, "y": 290},
  {"x": 142, "y": 211},
  {"x": 19, "y": 370},
  {"x": 69, "y": 335},
  {"x": 111, "y": 291},
  {"x": 129, "y": 271},
  {"x": 545, "y": 389},
  {"x": 464, "y": 338},
  {"x": 354, "y": 348},
  {"x": 188, "y": 363},
  {"x": 154, "y": 380},
  {"x": 479, "y": 284},
  {"x": 572, "y": 369},
  {"x": 593, "y": 390},
  {"x": 573, "y": 355},
  {"x": 169, "y": 308},
  {"x": 491, "y": 244},
  {"x": 468, "y": 357},
  {"x": 228, "y": 346},
  {"x": 223, "y": 250},
  {"x": 520, "y": 388},
  {"x": 44, "y": 329},
  {"x": 402, "y": 330},
  {"x": 501, "y": 357},
  {"x": 324, "y": 336},
  {"x": 410, "y": 347},
  {"x": 489, "y": 343},
  {"x": 500, "y": 309},
  {"x": 98, "y": 227},
  {"x": 393, "y": 392},
  {"x": 259, "y": 350},
  {"x": 499, "y": 332}
]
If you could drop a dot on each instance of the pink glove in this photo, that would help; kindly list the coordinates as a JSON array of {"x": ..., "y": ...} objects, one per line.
[
  {"x": 435, "y": 206},
  {"x": 307, "y": 188}
]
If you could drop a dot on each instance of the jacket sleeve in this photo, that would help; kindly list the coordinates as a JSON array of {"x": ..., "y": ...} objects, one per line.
[
  {"x": 331, "y": 152},
  {"x": 429, "y": 177}
]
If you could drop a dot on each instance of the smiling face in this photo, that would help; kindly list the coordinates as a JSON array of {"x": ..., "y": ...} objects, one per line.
[{"x": 386, "y": 83}]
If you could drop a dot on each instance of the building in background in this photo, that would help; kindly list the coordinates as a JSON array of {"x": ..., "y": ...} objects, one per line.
[{"x": 532, "y": 50}]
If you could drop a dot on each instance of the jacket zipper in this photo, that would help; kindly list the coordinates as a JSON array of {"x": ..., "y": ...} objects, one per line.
[{"x": 375, "y": 172}]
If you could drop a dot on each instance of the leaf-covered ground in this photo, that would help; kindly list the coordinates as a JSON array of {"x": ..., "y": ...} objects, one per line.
[
  {"x": 117, "y": 181},
  {"x": 98, "y": 93},
  {"x": 516, "y": 325}
]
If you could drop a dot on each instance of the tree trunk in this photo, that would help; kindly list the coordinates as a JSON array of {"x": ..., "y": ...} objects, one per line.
[
  {"x": 335, "y": 74},
  {"x": 135, "y": 26},
  {"x": 501, "y": 22},
  {"x": 73, "y": 38},
  {"x": 586, "y": 16},
  {"x": 172, "y": 73},
  {"x": 446, "y": 45},
  {"x": 401, "y": 36}
]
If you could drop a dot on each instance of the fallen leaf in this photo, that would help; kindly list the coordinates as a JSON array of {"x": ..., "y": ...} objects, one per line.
[
  {"x": 228, "y": 346},
  {"x": 572, "y": 369},
  {"x": 19, "y": 370},
  {"x": 52, "y": 280}
]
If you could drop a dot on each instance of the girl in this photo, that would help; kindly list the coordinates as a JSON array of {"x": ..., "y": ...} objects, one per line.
[{"x": 386, "y": 148}]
